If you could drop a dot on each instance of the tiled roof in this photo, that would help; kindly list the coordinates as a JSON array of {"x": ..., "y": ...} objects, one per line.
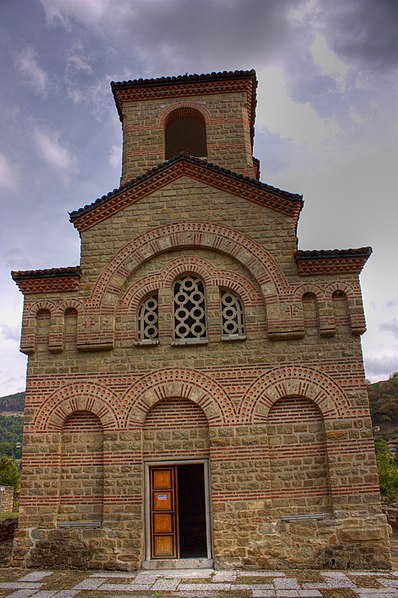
[
  {"x": 294, "y": 197},
  {"x": 50, "y": 273},
  {"x": 185, "y": 79},
  {"x": 332, "y": 261},
  {"x": 333, "y": 253}
]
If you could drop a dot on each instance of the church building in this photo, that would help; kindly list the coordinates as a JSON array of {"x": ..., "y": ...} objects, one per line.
[{"x": 195, "y": 389}]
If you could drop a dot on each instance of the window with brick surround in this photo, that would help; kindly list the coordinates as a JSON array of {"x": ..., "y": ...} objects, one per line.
[
  {"x": 147, "y": 325},
  {"x": 189, "y": 307},
  {"x": 231, "y": 316},
  {"x": 185, "y": 131}
]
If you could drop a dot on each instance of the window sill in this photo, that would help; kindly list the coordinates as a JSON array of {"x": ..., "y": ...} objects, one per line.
[
  {"x": 145, "y": 342},
  {"x": 233, "y": 337},
  {"x": 189, "y": 341}
]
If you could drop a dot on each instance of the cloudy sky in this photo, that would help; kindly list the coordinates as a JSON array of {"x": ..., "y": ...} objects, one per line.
[{"x": 326, "y": 126}]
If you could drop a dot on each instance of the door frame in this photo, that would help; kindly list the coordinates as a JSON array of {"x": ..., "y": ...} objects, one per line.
[{"x": 147, "y": 499}]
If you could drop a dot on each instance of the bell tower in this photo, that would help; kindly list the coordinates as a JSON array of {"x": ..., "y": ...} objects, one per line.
[{"x": 208, "y": 116}]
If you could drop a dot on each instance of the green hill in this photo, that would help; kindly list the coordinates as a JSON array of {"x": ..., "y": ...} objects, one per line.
[{"x": 12, "y": 403}]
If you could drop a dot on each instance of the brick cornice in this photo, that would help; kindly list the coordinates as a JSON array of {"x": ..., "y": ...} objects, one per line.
[
  {"x": 195, "y": 168},
  {"x": 54, "y": 280},
  {"x": 335, "y": 261}
]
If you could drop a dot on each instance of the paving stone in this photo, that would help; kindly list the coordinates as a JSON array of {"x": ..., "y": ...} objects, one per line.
[
  {"x": 309, "y": 593},
  {"x": 66, "y": 593},
  {"x": 388, "y": 583},
  {"x": 120, "y": 574},
  {"x": 262, "y": 574},
  {"x": 20, "y": 585},
  {"x": 45, "y": 593},
  {"x": 286, "y": 584},
  {"x": 211, "y": 587},
  {"x": 125, "y": 587},
  {"x": 372, "y": 592},
  {"x": 22, "y": 594},
  {"x": 264, "y": 594},
  {"x": 220, "y": 576},
  {"x": 89, "y": 584},
  {"x": 36, "y": 576},
  {"x": 146, "y": 579},
  {"x": 249, "y": 586},
  {"x": 167, "y": 585},
  {"x": 287, "y": 593}
]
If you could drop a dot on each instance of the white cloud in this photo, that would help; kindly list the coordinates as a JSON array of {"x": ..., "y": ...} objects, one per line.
[
  {"x": 8, "y": 173},
  {"x": 282, "y": 116},
  {"x": 391, "y": 326},
  {"x": 115, "y": 156},
  {"x": 9, "y": 333},
  {"x": 59, "y": 11},
  {"x": 26, "y": 63},
  {"x": 53, "y": 152},
  {"x": 328, "y": 62},
  {"x": 381, "y": 364}
]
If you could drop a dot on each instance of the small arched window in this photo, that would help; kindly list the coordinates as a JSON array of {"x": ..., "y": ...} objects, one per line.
[
  {"x": 231, "y": 316},
  {"x": 189, "y": 309},
  {"x": 185, "y": 131},
  {"x": 147, "y": 325}
]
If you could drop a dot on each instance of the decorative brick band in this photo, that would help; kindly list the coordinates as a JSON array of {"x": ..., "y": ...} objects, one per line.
[
  {"x": 248, "y": 252},
  {"x": 174, "y": 383},
  {"x": 164, "y": 279},
  {"x": 293, "y": 381},
  {"x": 82, "y": 396}
]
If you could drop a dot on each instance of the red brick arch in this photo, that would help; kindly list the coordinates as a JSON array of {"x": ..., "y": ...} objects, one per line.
[
  {"x": 43, "y": 306},
  {"x": 81, "y": 396},
  {"x": 245, "y": 250},
  {"x": 177, "y": 383},
  {"x": 288, "y": 381},
  {"x": 180, "y": 106}
]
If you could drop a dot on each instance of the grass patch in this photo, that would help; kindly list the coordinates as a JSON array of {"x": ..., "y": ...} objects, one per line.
[{"x": 9, "y": 515}]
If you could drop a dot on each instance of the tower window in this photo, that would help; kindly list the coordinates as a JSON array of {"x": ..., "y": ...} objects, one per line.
[
  {"x": 185, "y": 132},
  {"x": 148, "y": 329},
  {"x": 189, "y": 309},
  {"x": 231, "y": 315}
]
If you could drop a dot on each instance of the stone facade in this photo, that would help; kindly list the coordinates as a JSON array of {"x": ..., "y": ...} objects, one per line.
[
  {"x": 130, "y": 371},
  {"x": 6, "y": 499}
]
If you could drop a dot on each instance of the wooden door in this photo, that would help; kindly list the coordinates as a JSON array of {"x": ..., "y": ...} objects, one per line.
[{"x": 164, "y": 520}]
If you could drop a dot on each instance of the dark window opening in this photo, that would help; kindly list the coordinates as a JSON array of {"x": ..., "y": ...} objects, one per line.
[{"x": 185, "y": 132}]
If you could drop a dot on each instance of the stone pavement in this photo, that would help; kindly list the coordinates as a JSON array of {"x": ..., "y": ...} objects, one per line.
[{"x": 18, "y": 583}]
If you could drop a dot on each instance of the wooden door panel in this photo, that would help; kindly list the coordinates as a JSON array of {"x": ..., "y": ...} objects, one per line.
[
  {"x": 162, "y": 523},
  {"x": 162, "y": 478},
  {"x": 164, "y": 536},
  {"x": 163, "y": 501},
  {"x": 164, "y": 546}
]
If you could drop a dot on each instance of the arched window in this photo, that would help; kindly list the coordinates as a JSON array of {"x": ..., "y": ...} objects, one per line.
[
  {"x": 231, "y": 316},
  {"x": 189, "y": 309},
  {"x": 147, "y": 325},
  {"x": 185, "y": 131}
]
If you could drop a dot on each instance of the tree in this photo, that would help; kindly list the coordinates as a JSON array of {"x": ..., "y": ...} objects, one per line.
[
  {"x": 388, "y": 470},
  {"x": 9, "y": 472}
]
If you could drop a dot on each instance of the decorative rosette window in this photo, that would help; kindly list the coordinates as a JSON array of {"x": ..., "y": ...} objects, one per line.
[
  {"x": 147, "y": 325},
  {"x": 232, "y": 316},
  {"x": 189, "y": 310}
]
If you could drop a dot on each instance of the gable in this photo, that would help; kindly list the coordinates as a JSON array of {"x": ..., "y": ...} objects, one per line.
[{"x": 199, "y": 170}]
